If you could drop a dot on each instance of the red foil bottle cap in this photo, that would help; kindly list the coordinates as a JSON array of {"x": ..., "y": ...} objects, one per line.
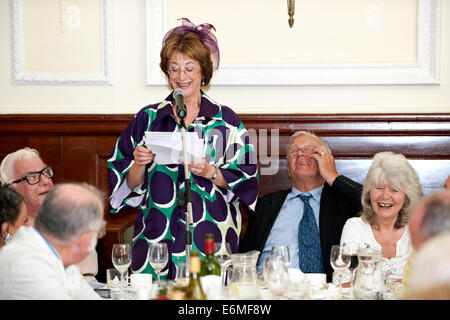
[{"x": 209, "y": 243}]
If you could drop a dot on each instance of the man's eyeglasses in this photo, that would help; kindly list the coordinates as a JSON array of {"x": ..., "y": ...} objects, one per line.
[
  {"x": 308, "y": 149},
  {"x": 35, "y": 177}
]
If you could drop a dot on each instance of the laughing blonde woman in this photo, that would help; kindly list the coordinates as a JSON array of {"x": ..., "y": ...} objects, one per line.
[{"x": 391, "y": 190}]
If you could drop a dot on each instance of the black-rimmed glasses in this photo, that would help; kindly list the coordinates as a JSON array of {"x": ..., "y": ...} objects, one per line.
[{"x": 35, "y": 177}]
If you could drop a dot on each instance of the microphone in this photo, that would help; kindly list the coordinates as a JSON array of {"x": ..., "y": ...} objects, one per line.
[{"x": 179, "y": 95}]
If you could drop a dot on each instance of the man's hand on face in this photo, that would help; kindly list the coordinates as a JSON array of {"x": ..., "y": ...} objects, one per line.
[{"x": 327, "y": 165}]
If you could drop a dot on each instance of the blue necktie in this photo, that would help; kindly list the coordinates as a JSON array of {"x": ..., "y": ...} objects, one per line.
[{"x": 309, "y": 252}]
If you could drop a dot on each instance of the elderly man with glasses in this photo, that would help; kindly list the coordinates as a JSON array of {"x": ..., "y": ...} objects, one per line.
[
  {"x": 308, "y": 217},
  {"x": 26, "y": 172}
]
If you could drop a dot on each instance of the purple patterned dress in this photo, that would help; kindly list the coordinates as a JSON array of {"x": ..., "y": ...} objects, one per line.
[{"x": 215, "y": 210}]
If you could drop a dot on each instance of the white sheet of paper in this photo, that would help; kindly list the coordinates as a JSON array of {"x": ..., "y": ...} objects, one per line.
[{"x": 168, "y": 146}]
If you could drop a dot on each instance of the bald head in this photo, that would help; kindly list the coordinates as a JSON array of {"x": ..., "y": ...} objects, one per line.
[{"x": 69, "y": 210}]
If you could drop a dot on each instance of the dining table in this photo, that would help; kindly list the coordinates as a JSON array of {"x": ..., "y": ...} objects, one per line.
[{"x": 295, "y": 290}]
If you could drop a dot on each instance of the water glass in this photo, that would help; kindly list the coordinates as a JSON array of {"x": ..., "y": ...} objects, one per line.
[
  {"x": 283, "y": 253},
  {"x": 222, "y": 251},
  {"x": 276, "y": 276},
  {"x": 113, "y": 278},
  {"x": 182, "y": 275}
]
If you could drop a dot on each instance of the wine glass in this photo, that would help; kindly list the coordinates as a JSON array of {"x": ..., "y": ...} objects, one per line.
[
  {"x": 351, "y": 248},
  {"x": 121, "y": 259},
  {"x": 276, "y": 275},
  {"x": 339, "y": 261},
  {"x": 283, "y": 253},
  {"x": 158, "y": 257},
  {"x": 222, "y": 251}
]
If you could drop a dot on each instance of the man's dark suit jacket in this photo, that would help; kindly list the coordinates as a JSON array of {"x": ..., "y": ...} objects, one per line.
[{"x": 338, "y": 203}]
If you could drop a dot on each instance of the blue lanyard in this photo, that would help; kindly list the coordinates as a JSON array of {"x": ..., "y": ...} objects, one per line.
[{"x": 49, "y": 244}]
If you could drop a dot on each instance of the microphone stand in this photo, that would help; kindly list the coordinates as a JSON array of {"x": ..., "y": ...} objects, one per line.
[{"x": 187, "y": 193}]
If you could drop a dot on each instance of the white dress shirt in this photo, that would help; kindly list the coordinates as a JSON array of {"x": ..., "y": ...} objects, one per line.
[
  {"x": 284, "y": 231},
  {"x": 31, "y": 269}
]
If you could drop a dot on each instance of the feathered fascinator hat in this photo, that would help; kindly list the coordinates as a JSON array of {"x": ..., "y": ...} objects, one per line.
[{"x": 204, "y": 32}]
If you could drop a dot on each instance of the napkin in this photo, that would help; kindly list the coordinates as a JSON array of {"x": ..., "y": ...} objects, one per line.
[
  {"x": 316, "y": 278},
  {"x": 326, "y": 291},
  {"x": 211, "y": 285},
  {"x": 295, "y": 274}
]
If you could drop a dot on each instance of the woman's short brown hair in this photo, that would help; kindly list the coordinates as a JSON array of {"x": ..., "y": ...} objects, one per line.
[{"x": 192, "y": 46}]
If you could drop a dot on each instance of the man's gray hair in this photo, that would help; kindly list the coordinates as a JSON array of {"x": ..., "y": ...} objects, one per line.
[
  {"x": 70, "y": 209},
  {"x": 7, "y": 165},
  {"x": 436, "y": 218},
  {"x": 309, "y": 134},
  {"x": 391, "y": 169}
]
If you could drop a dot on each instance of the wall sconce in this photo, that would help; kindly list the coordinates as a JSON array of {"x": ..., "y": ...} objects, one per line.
[{"x": 291, "y": 10}]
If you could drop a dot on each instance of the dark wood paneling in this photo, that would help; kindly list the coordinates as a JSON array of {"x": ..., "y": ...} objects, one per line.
[{"x": 78, "y": 146}]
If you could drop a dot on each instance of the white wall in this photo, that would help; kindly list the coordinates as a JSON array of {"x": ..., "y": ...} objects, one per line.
[{"x": 129, "y": 92}]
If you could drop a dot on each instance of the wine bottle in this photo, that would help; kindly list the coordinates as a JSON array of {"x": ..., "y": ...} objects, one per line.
[
  {"x": 194, "y": 290},
  {"x": 210, "y": 265}
]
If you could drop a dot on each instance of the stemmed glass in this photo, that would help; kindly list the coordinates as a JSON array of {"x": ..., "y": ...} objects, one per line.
[
  {"x": 283, "y": 253},
  {"x": 276, "y": 275},
  {"x": 350, "y": 249},
  {"x": 158, "y": 257},
  {"x": 339, "y": 261},
  {"x": 222, "y": 251},
  {"x": 121, "y": 259}
]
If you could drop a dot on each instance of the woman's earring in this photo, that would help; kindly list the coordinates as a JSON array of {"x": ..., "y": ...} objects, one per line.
[
  {"x": 203, "y": 82},
  {"x": 8, "y": 238}
]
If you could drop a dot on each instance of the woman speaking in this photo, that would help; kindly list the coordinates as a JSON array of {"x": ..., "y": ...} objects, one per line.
[{"x": 222, "y": 184}]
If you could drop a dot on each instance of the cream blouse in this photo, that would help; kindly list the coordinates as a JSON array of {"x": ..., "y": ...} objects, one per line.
[{"x": 357, "y": 231}]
